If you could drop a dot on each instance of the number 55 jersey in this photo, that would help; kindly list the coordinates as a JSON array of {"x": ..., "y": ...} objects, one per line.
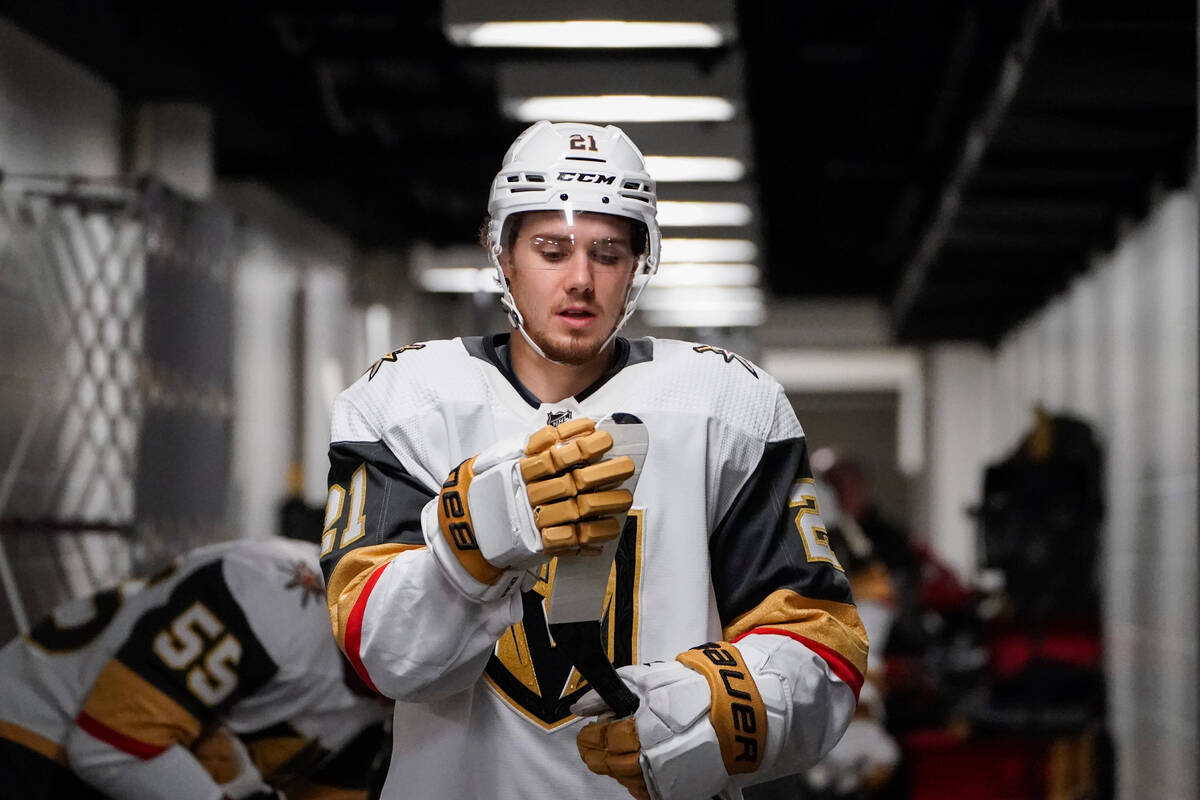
[
  {"x": 115, "y": 688},
  {"x": 723, "y": 541}
]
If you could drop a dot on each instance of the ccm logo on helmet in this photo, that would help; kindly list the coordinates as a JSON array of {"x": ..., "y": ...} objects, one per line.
[{"x": 586, "y": 177}]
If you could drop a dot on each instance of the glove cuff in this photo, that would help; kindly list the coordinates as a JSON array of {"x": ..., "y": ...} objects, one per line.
[
  {"x": 446, "y": 557},
  {"x": 454, "y": 520},
  {"x": 737, "y": 712}
]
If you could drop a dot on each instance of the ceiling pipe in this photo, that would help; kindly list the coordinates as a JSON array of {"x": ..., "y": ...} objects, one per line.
[{"x": 979, "y": 136}]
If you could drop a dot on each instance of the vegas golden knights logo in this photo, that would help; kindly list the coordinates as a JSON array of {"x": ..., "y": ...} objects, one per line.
[{"x": 534, "y": 676}]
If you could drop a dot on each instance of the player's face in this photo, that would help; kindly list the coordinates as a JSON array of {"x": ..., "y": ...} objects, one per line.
[{"x": 569, "y": 278}]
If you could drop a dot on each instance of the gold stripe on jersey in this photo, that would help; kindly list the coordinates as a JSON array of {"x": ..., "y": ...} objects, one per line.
[
  {"x": 634, "y": 591},
  {"x": 513, "y": 647},
  {"x": 346, "y": 581},
  {"x": 826, "y": 622},
  {"x": 33, "y": 741},
  {"x": 130, "y": 705}
]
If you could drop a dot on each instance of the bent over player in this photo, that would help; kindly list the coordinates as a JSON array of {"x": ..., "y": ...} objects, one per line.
[
  {"x": 477, "y": 483},
  {"x": 217, "y": 677}
]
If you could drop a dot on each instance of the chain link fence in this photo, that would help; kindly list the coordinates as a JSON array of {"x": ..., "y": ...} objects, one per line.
[{"x": 115, "y": 387}]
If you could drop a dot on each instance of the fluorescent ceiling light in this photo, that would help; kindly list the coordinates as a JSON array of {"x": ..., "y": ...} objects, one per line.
[
  {"x": 620, "y": 108},
  {"x": 703, "y": 307},
  {"x": 724, "y": 317},
  {"x": 679, "y": 214},
  {"x": 682, "y": 169},
  {"x": 672, "y": 275},
  {"x": 699, "y": 298},
  {"x": 598, "y": 33},
  {"x": 466, "y": 280},
  {"x": 683, "y": 251}
]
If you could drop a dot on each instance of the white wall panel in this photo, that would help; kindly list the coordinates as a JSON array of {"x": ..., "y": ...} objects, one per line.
[
  {"x": 960, "y": 398},
  {"x": 1119, "y": 349},
  {"x": 263, "y": 378}
]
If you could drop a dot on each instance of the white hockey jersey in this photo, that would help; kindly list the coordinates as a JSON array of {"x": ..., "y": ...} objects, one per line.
[
  {"x": 232, "y": 634},
  {"x": 723, "y": 541}
]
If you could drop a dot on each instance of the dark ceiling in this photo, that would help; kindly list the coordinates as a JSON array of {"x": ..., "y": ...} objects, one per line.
[{"x": 959, "y": 161}]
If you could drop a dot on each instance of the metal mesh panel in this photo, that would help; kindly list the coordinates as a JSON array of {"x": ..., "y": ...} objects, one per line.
[
  {"x": 71, "y": 288},
  {"x": 115, "y": 386}
]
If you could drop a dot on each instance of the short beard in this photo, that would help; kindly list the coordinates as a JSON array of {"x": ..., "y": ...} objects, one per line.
[{"x": 574, "y": 352}]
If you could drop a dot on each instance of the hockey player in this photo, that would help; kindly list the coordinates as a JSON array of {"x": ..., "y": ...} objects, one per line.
[
  {"x": 475, "y": 482},
  {"x": 217, "y": 677}
]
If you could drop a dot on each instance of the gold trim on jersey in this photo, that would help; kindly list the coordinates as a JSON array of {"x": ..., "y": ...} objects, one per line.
[
  {"x": 33, "y": 741},
  {"x": 826, "y": 622},
  {"x": 130, "y": 705},
  {"x": 516, "y": 656},
  {"x": 348, "y": 577}
]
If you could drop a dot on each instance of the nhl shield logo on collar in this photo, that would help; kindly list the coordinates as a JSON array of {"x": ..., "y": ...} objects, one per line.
[{"x": 557, "y": 418}]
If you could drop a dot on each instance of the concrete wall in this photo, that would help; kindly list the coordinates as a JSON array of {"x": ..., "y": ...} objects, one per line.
[{"x": 1119, "y": 349}]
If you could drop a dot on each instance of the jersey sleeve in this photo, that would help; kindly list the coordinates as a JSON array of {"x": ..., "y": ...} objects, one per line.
[
  {"x": 403, "y": 627},
  {"x": 783, "y": 597},
  {"x": 183, "y": 665}
]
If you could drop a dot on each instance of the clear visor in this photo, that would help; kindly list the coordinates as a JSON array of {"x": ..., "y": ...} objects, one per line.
[{"x": 556, "y": 240}]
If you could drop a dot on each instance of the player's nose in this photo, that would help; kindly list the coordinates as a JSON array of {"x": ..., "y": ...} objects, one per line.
[{"x": 579, "y": 273}]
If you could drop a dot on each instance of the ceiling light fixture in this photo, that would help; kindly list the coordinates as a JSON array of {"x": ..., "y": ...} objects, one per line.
[
  {"x": 684, "y": 169},
  {"x": 458, "y": 280},
  {"x": 681, "y": 214},
  {"x": 684, "y": 251},
  {"x": 673, "y": 275},
  {"x": 703, "y": 307},
  {"x": 592, "y": 33},
  {"x": 620, "y": 108}
]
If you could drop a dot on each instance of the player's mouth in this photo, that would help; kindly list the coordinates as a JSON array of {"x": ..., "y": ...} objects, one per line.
[{"x": 577, "y": 317}]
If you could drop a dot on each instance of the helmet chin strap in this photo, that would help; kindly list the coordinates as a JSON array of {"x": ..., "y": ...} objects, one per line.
[{"x": 517, "y": 320}]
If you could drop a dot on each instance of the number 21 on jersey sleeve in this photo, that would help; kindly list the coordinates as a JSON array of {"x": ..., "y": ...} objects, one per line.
[{"x": 803, "y": 501}]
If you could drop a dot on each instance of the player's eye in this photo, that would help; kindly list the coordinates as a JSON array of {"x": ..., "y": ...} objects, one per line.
[
  {"x": 609, "y": 253},
  {"x": 551, "y": 249}
]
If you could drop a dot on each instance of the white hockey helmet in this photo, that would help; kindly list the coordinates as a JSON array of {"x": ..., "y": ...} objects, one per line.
[{"x": 574, "y": 167}]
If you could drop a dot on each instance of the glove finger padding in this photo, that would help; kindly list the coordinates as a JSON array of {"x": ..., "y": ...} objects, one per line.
[
  {"x": 611, "y": 747},
  {"x": 567, "y": 486},
  {"x": 520, "y": 502}
]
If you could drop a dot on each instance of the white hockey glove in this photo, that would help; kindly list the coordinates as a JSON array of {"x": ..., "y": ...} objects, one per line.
[
  {"x": 700, "y": 720},
  {"x": 516, "y": 504}
]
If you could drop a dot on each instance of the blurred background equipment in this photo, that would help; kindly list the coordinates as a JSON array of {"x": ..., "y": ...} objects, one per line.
[{"x": 924, "y": 218}]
